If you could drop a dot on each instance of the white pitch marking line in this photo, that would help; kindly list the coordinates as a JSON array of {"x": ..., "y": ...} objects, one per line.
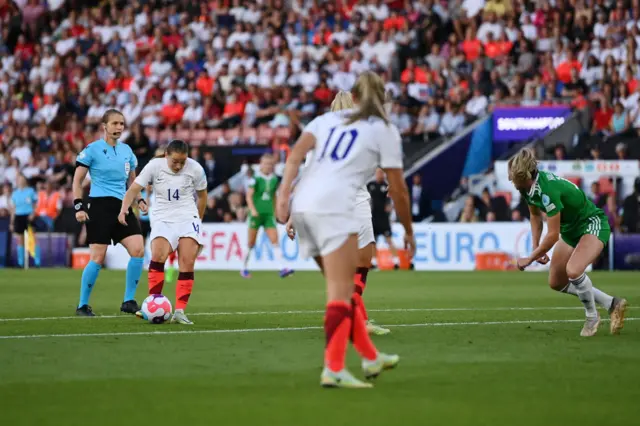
[
  {"x": 265, "y": 330},
  {"x": 245, "y": 313}
]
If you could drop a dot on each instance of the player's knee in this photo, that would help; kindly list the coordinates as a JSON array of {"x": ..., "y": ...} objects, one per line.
[
  {"x": 98, "y": 257},
  {"x": 136, "y": 251},
  {"x": 556, "y": 282},
  {"x": 574, "y": 271}
]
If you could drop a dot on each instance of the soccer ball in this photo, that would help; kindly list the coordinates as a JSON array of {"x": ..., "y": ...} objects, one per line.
[{"x": 156, "y": 309}]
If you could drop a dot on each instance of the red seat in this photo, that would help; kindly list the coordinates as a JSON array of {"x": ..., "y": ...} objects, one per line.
[
  {"x": 283, "y": 133},
  {"x": 166, "y": 136},
  {"x": 213, "y": 136},
  {"x": 184, "y": 134},
  {"x": 265, "y": 134},
  {"x": 249, "y": 133},
  {"x": 198, "y": 136},
  {"x": 231, "y": 135}
]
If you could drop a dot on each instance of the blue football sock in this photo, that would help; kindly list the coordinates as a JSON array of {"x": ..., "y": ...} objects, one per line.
[
  {"x": 21, "y": 256},
  {"x": 134, "y": 270},
  {"x": 89, "y": 277}
]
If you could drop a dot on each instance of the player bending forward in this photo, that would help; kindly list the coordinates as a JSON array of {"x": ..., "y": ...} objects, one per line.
[
  {"x": 578, "y": 229},
  {"x": 366, "y": 235},
  {"x": 261, "y": 199},
  {"x": 176, "y": 220},
  {"x": 347, "y": 147}
]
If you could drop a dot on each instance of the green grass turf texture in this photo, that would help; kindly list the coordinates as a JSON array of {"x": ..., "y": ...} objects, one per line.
[{"x": 474, "y": 374}]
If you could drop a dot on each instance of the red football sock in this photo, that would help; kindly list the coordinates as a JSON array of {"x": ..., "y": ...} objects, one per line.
[
  {"x": 156, "y": 277},
  {"x": 183, "y": 289},
  {"x": 337, "y": 327},
  {"x": 359, "y": 335},
  {"x": 360, "y": 281}
]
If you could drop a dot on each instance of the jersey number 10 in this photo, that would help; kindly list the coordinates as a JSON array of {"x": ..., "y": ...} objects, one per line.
[
  {"x": 176, "y": 195},
  {"x": 339, "y": 149}
]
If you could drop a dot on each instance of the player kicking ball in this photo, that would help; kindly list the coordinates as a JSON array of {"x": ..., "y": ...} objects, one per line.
[
  {"x": 261, "y": 200},
  {"x": 176, "y": 220},
  {"x": 578, "y": 230}
]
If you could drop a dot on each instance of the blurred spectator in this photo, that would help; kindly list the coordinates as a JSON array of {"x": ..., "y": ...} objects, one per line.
[
  {"x": 209, "y": 165},
  {"x": 48, "y": 207},
  {"x": 5, "y": 200},
  {"x": 631, "y": 210},
  {"x": 420, "y": 202},
  {"x": 469, "y": 213}
]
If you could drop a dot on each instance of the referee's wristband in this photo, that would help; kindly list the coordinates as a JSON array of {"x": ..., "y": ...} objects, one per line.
[{"x": 78, "y": 205}]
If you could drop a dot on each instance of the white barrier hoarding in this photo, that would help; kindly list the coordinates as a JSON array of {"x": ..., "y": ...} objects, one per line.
[{"x": 440, "y": 246}]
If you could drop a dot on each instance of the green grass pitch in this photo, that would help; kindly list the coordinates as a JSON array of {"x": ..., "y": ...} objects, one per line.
[{"x": 476, "y": 349}]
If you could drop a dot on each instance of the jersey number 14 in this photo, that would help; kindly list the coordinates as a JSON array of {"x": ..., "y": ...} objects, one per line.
[
  {"x": 175, "y": 195},
  {"x": 340, "y": 148}
]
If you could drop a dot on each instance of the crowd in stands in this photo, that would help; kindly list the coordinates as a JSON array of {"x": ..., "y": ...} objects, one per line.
[{"x": 231, "y": 71}]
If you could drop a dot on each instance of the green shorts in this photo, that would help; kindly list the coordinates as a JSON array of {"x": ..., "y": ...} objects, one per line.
[
  {"x": 597, "y": 225},
  {"x": 262, "y": 220}
]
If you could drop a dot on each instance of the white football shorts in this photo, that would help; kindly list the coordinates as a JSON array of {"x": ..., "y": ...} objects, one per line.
[
  {"x": 322, "y": 234},
  {"x": 362, "y": 214},
  {"x": 173, "y": 231}
]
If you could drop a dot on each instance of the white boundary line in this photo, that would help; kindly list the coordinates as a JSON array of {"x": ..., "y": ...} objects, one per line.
[
  {"x": 310, "y": 312},
  {"x": 277, "y": 329}
]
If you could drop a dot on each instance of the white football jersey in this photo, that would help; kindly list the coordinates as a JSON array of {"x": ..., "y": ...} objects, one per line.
[
  {"x": 344, "y": 159},
  {"x": 173, "y": 193}
]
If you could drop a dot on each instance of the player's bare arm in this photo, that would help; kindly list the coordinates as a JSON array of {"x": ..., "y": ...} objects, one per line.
[
  {"x": 132, "y": 193},
  {"x": 306, "y": 142},
  {"x": 202, "y": 202},
  {"x": 400, "y": 195},
  {"x": 77, "y": 188},
  {"x": 249, "y": 200},
  {"x": 536, "y": 231},
  {"x": 549, "y": 240}
]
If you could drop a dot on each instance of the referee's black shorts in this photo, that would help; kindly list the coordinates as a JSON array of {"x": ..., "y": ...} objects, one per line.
[
  {"x": 103, "y": 226},
  {"x": 20, "y": 223},
  {"x": 381, "y": 225}
]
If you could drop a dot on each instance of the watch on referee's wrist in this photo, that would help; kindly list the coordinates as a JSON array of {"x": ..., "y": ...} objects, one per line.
[{"x": 78, "y": 205}]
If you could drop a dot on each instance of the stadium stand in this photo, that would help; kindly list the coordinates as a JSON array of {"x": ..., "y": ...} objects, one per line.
[{"x": 226, "y": 75}]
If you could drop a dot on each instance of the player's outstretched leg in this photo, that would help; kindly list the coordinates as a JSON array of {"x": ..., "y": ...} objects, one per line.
[
  {"x": 252, "y": 235},
  {"x": 587, "y": 250},
  {"x": 559, "y": 281},
  {"x": 360, "y": 282}
]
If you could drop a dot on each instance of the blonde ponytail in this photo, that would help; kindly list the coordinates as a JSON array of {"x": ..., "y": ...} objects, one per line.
[
  {"x": 370, "y": 94},
  {"x": 523, "y": 166},
  {"x": 343, "y": 100}
]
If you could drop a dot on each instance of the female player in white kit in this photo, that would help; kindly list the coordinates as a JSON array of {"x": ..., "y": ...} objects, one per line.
[
  {"x": 347, "y": 147},
  {"x": 366, "y": 238},
  {"x": 177, "y": 218}
]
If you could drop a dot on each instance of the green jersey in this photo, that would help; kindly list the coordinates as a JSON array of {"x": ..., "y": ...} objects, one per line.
[
  {"x": 264, "y": 192},
  {"x": 553, "y": 195}
]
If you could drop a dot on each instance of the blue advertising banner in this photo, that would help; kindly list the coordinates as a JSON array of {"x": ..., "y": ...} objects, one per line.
[
  {"x": 626, "y": 251},
  {"x": 513, "y": 124}
]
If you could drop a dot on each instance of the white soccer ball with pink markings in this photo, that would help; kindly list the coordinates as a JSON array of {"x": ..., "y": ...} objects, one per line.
[{"x": 156, "y": 309}]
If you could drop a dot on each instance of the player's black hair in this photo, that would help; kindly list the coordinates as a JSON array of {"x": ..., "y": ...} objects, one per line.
[
  {"x": 178, "y": 146},
  {"x": 109, "y": 113}
]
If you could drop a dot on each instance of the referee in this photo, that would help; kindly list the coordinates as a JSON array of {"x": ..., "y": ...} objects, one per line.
[
  {"x": 111, "y": 165},
  {"x": 380, "y": 209}
]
